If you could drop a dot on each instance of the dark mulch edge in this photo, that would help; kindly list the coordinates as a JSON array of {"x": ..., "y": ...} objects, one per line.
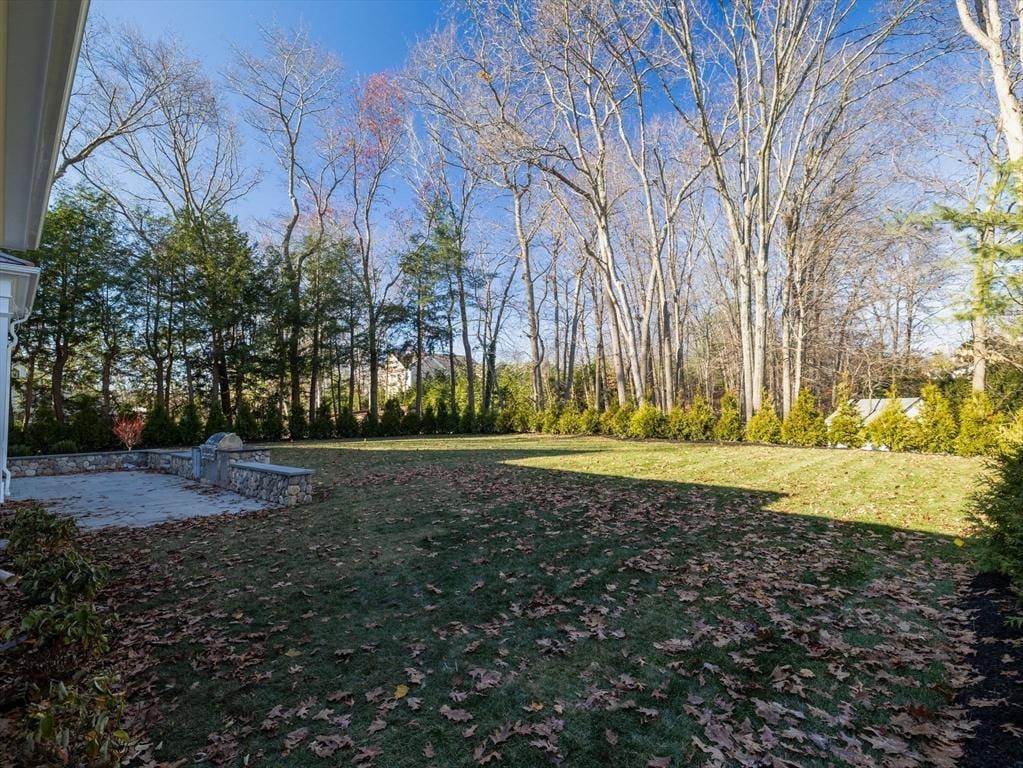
[{"x": 999, "y": 666}]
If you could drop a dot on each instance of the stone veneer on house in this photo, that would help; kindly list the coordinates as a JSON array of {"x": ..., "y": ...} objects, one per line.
[{"x": 250, "y": 472}]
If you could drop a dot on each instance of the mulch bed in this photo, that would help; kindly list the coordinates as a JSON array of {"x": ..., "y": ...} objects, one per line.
[{"x": 995, "y": 700}]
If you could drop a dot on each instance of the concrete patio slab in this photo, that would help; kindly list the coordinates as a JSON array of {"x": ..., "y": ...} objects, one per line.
[{"x": 134, "y": 499}]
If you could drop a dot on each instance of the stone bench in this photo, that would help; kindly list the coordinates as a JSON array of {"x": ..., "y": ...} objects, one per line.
[{"x": 275, "y": 483}]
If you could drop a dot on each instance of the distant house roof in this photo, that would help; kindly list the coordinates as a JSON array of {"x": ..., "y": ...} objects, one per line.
[{"x": 870, "y": 408}]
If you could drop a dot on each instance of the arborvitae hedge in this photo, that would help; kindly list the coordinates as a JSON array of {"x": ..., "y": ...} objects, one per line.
[
  {"x": 998, "y": 510},
  {"x": 43, "y": 431},
  {"x": 428, "y": 424},
  {"x": 589, "y": 421},
  {"x": 804, "y": 425},
  {"x": 159, "y": 430},
  {"x": 273, "y": 423},
  {"x": 699, "y": 420},
  {"x": 846, "y": 427},
  {"x": 892, "y": 428},
  {"x": 765, "y": 426},
  {"x": 729, "y": 425},
  {"x": 979, "y": 426},
  {"x": 298, "y": 425},
  {"x": 936, "y": 424},
  {"x": 87, "y": 428},
  {"x": 390, "y": 420},
  {"x": 675, "y": 424},
  {"x": 245, "y": 424},
  {"x": 322, "y": 425},
  {"x": 621, "y": 419},
  {"x": 646, "y": 421},
  {"x": 216, "y": 421},
  {"x": 569, "y": 422},
  {"x": 190, "y": 425}
]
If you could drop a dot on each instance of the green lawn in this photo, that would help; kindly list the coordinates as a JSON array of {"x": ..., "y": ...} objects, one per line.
[{"x": 555, "y": 601}]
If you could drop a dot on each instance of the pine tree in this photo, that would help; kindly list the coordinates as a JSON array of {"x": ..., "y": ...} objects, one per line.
[
  {"x": 322, "y": 425},
  {"x": 846, "y": 427},
  {"x": 804, "y": 425},
  {"x": 937, "y": 424},
  {"x": 429, "y": 421},
  {"x": 675, "y": 425},
  {"x": 298, "y": 426},
  {"x": 273, "y": 423},
  {"x": 765, "y": 426},
  {"x": 979, "y": 426},
  {"x": 390, "y": 420},
  {"x": 729, "y": 425}
]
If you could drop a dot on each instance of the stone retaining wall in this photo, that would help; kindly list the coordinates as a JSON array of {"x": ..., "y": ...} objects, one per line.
[
  {"x": 286, "y": 486},
  {"x": 249, "y": 471}
]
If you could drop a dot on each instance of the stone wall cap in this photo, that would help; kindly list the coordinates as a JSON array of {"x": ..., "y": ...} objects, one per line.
[{"x": 274, "y": 469}]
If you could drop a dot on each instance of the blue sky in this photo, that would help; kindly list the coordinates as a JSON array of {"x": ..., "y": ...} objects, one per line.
[{"x": 369, "y": 36}]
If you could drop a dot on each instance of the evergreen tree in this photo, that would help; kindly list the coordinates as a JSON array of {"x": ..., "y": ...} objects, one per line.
[
  {"x": 245, "y": 425},
  {"x": 390, "y": 419},
  {"x": 159, "y": 430},
  {"x": 729, "y": 425},
  {"x": 429, "y": 423},
  {"x": 699, "y": 420},
  {"x": 892, "y": 428},
  {"x": 846, "y": 427},
  {"x": 190, "y": 425},
  {"x": 765, "y": 426},
  {"x": 442, "y": 417},
  {"x": 804, "y": 425},
  {"x": 298, "y": 427},
  {"x": 675, "y": 425},
  {"x": 87, "y": 428},
  {"x": 44, "y": 430},
  {"x": 347, "y": 424},
  {"x": 370, "y": 426},
  {"x": 216, "y": 421},
  {"x": 411, "y": 423},
  {"x": 937, "y": 424},
  {"x": 273, "y": 423},
  {"x": 979, "y": 426},
  {"x": 322, "y": 426}
]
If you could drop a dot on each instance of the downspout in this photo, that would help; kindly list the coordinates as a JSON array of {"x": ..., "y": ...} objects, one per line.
[{"x": 5, "y": 477}]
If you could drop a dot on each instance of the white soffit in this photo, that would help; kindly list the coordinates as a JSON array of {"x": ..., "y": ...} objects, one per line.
[{"x": 39, "y": 44}]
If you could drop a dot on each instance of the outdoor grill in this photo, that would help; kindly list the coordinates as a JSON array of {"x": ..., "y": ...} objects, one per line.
[{"x": 210, "y": 460}]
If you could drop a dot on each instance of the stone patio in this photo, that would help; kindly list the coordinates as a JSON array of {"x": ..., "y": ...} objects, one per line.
[{"x": 129, "y": 498}]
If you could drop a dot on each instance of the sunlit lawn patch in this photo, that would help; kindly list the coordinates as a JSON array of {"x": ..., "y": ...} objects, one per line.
[{"x": 570, "y": 601}]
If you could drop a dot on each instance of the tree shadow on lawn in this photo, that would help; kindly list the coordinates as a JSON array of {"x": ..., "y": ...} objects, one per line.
[{"x": 441, "y": 606}]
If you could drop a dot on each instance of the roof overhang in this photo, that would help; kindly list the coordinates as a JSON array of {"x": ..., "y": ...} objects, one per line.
[{"x": 39, "y": 44}]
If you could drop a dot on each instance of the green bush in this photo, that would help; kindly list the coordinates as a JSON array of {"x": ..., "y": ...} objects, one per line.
[
  {"x": 87, "y": 428},
  {"x": 216, "y": 421},
  {"x": 390, "y": 420},
  {"x": 997, "y": 509},
  {"x": 62, "y": 577},
  {"x": 646, "y": 421},
  {"x": 846, "y": 427},
  {"x": 620, "y": 420},
  {"x": 1012, "y": 432},
  {"x": 936, "y": 426},
  {"x": 729, "y": 424},
  {"x": 411, "y": 423},
  {"x": 550, "y": 418},
  {"x": 804, "y": 425},
  {"x": 570, "y": 423},
  {"x": 454, "y": 425},
  {"x": 80, "y": 724},
  {"x": 190, "y": 425},
  {"x": 43, "y": 431},
  {"x": 64, "y": 446},
  {"x": 676, "y": 427},
  {"x": 892, "y": 428},
  {"x": 35, "y": 531},
  {"x": 442, "y": 417},
  {"x": 272, "y": 422},
  {"x": 765, "y": 426},
  {"x": 245, "y": 424},
  {"x": 298, "y": 425},
  {"x": 159, "y": 430},
  {"x": 699, "y": 420},
  {"x": 19, "y": 449},
  {"x": 322, "y": 425},
  {"x": 589, "y": 422},
  {"x": 370, "y": 426},
  {"x": 979, "y": 427},
  {"x": 428, "y": 425}
]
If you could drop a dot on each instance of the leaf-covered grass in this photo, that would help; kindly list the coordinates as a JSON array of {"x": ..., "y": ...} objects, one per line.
[{"x": 583, "y": 602}]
